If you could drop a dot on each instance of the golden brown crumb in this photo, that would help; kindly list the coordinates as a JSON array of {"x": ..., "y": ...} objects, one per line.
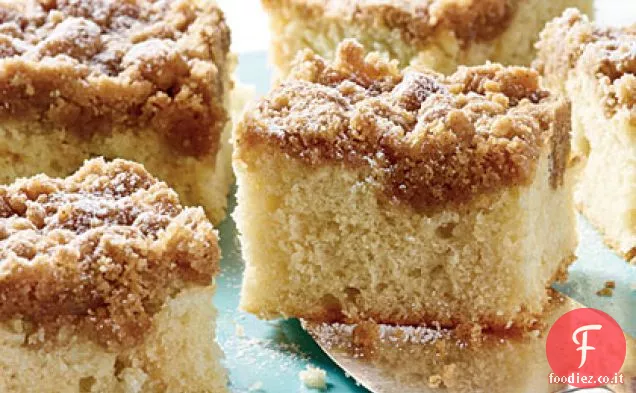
[
  {"x": 100, "y": 250},
  {"x": 429, "y": 139},
  {"x": 561, "y": 45},
  {"x": 605, "y": 292},
  {"x": 631, "y": 255},
  {"x": 608, "y": 54},
  {"x": 614, "y": 65},
  {"x": 93, "y": 65},
  {"x": 610, "y": 284},
  {"x": 417, "y": 22}
]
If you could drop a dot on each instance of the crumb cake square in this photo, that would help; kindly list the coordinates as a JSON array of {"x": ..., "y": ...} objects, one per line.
[
  {"x": 148, "y": 81},
  {"x": 104, "y": 278},
  {"x": 403, "y": 197},
  {"x": 439, "y": 34},
  {"x": 596, "y": 69}
]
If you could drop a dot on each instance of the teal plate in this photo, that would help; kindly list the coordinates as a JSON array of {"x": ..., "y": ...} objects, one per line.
[{"x": 266, "y": 356}]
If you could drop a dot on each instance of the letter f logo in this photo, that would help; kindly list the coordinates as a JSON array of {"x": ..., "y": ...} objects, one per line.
[{"x": 583, "y": 346}]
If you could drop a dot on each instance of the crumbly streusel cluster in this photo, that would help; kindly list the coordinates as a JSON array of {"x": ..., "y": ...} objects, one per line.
[
  {"x": 606, "y": 53},
  {"x": 92, "y": 65},
  {"x": 429, "y": 139},
  {"x": 100, "y": 250}
]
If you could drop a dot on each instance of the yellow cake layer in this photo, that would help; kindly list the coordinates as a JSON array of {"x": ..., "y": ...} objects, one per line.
[
  {"x": 185, "y": 325},
  {"x": 606, "y": 190},
  {"x": 29, "y": 148},
  {"x": 320, "y": 245}
]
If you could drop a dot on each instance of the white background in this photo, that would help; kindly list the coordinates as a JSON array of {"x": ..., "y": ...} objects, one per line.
[
  {"x": 249, "y": 24},
  {"x": 250, "y": 33}
]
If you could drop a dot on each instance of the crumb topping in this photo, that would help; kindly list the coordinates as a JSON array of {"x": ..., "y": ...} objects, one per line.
[
  {"x": 417, "y": 21},
  {"x": 93, "y": 65},
  {"x": 613, "y": 62},
  {"x": 429, "y": 139},
  {"x": 609, "y": 54},
  {"x": 100, "y": 250}
]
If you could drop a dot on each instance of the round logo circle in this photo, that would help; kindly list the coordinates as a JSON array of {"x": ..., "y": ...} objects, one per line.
[{"x": 587, "y": 347}]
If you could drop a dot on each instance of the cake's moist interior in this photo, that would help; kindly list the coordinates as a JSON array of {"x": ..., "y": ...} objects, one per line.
[
  {"x": 99, "y": 251},
  {"x": 93, "y": 65},
  {"x": 417, "y": 21},
  {"x": 429, "y": 139}
]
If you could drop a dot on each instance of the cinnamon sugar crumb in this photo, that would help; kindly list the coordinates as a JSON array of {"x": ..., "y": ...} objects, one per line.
[
  {"x": 605, "y": 292},
  {"x": 314, "y": 378},
  {"x": 429, "y": 139},
  {"x": 608, "y": 289},
  {"x": 99, "y": 251}
]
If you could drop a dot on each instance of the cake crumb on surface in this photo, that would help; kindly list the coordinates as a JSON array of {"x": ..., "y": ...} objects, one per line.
[
  {"x": 605, "y": 292},
  {"x": 608, "y": 290},
  {"x": 314, "y": 377},
  {"x": 239, "y": 330}
]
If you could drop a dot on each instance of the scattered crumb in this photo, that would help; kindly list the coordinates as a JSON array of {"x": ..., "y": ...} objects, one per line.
[
  {"x": 314, "y": 378},
  {"x": 608, "y": 291},
  {"x": 605, "y": 292},
  {"x": 435, "y": 381},
  {"x": 256, "y": 386},
  {"x": 239, "y": 330}
]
